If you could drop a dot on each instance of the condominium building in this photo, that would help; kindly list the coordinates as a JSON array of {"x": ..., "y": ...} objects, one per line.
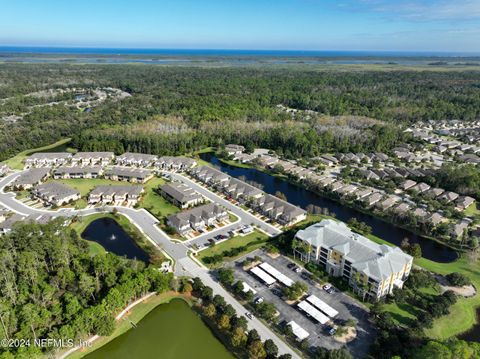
[
  {"x": 47, "y": 159},
  {"x": 135, "y": 175},
  {"x": 115, "y": 194},
  {"x": 181, "y": 195},
  {"x": 371, "y": 269},
  {"x": 55, "y": 193},
  {"x": 198, "y": 218},
  {"x": 136, "y": 159},
  {"x": 77, "y": 172},
  {"x": 92, "y": 158}
]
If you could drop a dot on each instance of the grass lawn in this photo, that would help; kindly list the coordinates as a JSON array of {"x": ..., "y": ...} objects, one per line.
[
  {"x": 404, "y": 313},
  {"x": 252, "y": 241},
  {"x": 472, "y": 210},
  {"x": 16, "y": 161},
  {"x": 153, "y": 202},
  {"x": 134, "y": 315},
  {"x": 463, "y": 313}
]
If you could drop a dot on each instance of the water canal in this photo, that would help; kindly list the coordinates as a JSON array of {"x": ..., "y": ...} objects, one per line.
[
  {"x": 302, "y": 197},
  {"x": 108, "y": 233},
  {"x": 170, "y": 331}
]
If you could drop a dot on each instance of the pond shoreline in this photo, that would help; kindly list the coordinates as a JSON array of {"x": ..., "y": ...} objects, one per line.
[{"x": 150, "y": 301}]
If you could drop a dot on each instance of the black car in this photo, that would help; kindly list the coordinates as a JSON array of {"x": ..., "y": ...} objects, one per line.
[{"x": 291, "y": 265}]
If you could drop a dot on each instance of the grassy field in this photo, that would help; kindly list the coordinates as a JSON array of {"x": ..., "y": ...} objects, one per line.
[
  {"x": 16, "y": 162},
  {"x": 462, "y": 314},
  {"x": 253, "y": 241},
  {"x": 472, "y": 210},
  {"x": 155, "y": 203},
  {"x": 134, "y": 315}
]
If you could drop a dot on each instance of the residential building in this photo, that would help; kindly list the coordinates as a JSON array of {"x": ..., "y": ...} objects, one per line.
[
  {"x": 170, "y": 163},
  {"x": 115, "y": 194},
  {"x": 407, "y": 184},
  {"x": 77, "y": 172},
  {"x": 463, "y": 202},
  {"x": 234, "y": 149},
  {"x": 240, "y": 190},
  {"x": 198, "y": 218},
  {"x": 181, "y": 195},
  {"x": 420, "y": 187},
  {"x": 448, "y": 196},
  {"x": 136, "y": 159},
  {"x": 371, "y": 269},
  {"x": 47, "y": 159},
  {"x": 372, "y": 199},
  {"x": 92, "y": 158},
  {"x": 279, "y": 210},
  {"x": 3, "y": 169},
  {"x": 56, "y": 194},
  {"x": 7, "y": 225},
  {"x": 134, "y": 175},
  {"x": 30, "y": 178},
  {"x": 209, "y": 175}
]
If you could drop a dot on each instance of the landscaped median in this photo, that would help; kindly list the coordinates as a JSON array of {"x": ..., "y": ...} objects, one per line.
[{"x": 232, "y": 248}]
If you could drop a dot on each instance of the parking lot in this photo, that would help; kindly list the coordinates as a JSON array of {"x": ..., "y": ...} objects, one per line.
[{"x": 347, "y": 307}]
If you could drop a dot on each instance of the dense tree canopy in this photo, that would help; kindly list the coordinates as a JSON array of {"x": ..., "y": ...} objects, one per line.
[
  {"x": 51, "y": 287},
  {"x": 206, "y": 100}
]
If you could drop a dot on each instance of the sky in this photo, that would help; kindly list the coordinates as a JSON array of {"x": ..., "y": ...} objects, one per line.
[{"x": 361, "y": 25}]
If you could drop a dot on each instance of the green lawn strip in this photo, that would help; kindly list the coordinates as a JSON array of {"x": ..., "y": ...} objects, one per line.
[
  {"x": 155, "y": 203},
  {"x": 134, "y": 315},
  {"x": 234, "y": 163},
  {"x": 16, "y": 162},
  {"x": 252, "y": 241}
]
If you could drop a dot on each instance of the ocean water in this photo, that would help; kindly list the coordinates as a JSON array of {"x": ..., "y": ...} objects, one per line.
[{"x": 224, "y": 52}]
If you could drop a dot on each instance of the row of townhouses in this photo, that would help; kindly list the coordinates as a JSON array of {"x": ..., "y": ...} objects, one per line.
[
  {"x": 56, "y": 194},
  {"x": 268, "y": 205},
  {"x": 53, "y": 159},
  {"x": 110, "y": 194},
  {"x": 198, "y": 218}
]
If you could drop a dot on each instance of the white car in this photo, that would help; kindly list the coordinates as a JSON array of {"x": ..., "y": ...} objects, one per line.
[
  {"x": 327, "y": 286},
  {"x": 258, "y": 300}
]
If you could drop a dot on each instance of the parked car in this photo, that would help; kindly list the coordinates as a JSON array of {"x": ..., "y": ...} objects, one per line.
[
  {"x": 291, "y": 265},
  {"x": 248, "y": 315},
  {"x": 297, "y": 269},
  {"x": 331, "y": 290},
  {"x": 330, "y": 330},
  {"x": 277, "y": 292},
  {"x": 327, "y": 286},
  {"x": 258, "y": 300}
]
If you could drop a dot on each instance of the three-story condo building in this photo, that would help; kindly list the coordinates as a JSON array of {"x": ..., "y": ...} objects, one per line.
[{"x": 371, "y": 269}]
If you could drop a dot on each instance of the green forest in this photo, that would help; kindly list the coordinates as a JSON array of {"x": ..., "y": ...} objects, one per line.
[
  {"x": 353, "y": 110},
  {"x": 52, "y": 287}
]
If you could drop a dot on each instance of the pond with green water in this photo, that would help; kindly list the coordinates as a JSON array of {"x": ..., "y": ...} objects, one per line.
[{"x": 170, "y": 331}]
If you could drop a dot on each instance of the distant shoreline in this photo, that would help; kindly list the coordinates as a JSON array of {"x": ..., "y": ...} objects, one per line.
[
  {"x": 13, "y": 54},
  {"x": 232, "y": 52}
]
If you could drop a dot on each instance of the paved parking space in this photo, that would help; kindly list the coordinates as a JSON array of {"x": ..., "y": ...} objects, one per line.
[{"x": 347, "y": 307}]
